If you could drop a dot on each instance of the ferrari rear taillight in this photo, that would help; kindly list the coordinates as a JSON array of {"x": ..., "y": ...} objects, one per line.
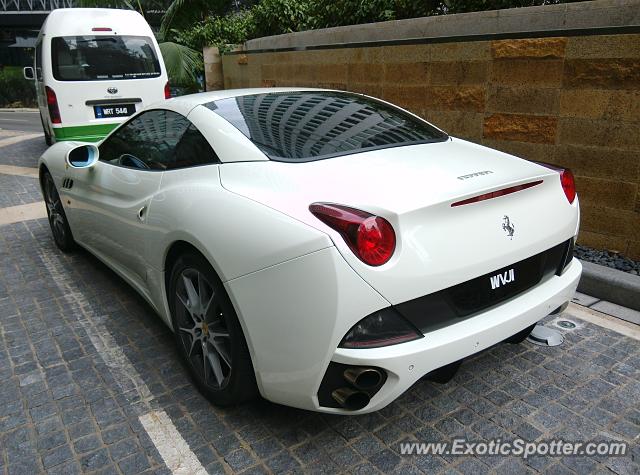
[
  {"x": 568, "y": 184},
  {"x": 566, "y": 180},
  {"x": 52, "y": 105},
  {"x": 370, "y": 237},
  {"x": 167, "y": 91}
]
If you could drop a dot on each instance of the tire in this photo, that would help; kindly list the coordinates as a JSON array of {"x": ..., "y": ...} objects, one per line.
[
  {"x": 62, "y": 235},
  {"x": 521, "y": 335},
  {"x": 208, "y": 334}
]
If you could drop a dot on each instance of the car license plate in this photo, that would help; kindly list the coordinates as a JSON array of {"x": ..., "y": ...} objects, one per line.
[{"x": 116, "y": 110}]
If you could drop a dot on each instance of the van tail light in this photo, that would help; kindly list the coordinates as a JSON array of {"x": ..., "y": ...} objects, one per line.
[
  {"x": 52, "y": 105},
  {"x": 371, "y": 238},
  {"x": 167, "y": 91},
  {"x": 566, "y": 181}
]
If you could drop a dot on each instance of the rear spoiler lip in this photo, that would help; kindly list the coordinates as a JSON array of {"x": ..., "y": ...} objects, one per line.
[{"x": 497, "y": 193}]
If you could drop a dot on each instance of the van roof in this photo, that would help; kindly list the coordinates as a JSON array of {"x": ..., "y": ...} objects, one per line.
[{"x": 80, "y": 21}]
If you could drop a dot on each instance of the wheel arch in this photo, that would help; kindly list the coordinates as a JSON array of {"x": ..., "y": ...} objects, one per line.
[
  {"x": 174, "y": 251},
  {"x": 42, "y": 169}
]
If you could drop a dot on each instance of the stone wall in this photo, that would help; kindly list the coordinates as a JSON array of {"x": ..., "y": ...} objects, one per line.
[{"x": 570, "y": 100}]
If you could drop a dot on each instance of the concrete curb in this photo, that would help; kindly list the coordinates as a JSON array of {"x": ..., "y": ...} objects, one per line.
[
  {"x": 19, "y": 109},
  {"x": 610, "y": 284}
]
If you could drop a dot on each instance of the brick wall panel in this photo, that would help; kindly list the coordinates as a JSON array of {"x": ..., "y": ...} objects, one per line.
[
  {"x": 601, "y": 104},
  {"x": 603, "y": 192},
  {"x": 604, "y": 241},
  {"x": 604, "y": 46},
  {"x": 520, "y": 128},
  {"x": 529, "y": 48},
  {"x": 461, "y": 98},
  {"x": 600, "y": 162},
  {"x": 446, "y": 73},
  {"x": 602, "y": 73},
  {"x": 569, "y": 101},
  {"x": 525, "y": 72},
  {"x": 623, "y": 135},
  {"x": 526, "y": 100}
]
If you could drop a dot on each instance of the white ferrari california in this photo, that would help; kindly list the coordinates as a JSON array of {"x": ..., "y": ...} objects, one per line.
[{"x": 321, "y": 248}]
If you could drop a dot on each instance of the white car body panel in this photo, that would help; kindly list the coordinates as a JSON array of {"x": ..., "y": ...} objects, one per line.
[
  {"x": 312, "y": 302},
  {"x": 296, "y": 286},
  {"x": 427, "y": 257}
]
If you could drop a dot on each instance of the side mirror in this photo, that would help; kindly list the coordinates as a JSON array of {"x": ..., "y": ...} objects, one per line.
[
  {"x": 28, "y": 73},
  {"x": 83, "y": 156}
]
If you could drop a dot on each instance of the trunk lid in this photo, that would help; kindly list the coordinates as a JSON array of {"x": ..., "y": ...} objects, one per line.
[{"x": 437, "y": 245}]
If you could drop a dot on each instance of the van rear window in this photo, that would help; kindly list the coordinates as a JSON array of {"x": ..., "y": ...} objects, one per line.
[{"x": 95, "y": 58}]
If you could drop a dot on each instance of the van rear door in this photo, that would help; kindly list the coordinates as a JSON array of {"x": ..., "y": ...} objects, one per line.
[{"x": 113, "y": 76}]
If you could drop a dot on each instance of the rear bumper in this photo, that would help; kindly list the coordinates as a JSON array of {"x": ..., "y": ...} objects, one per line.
[
  {"x": 295, "y": 314},
  {"x": 408, "y": 362}
]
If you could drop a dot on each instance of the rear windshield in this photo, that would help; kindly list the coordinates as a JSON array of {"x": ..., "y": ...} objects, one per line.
[
  {"x": 312, "y": 125},
  {"x": 94, "y": 58}
]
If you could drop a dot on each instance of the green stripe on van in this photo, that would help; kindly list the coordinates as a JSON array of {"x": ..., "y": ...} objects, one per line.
[{"x": 84, "y": 133}]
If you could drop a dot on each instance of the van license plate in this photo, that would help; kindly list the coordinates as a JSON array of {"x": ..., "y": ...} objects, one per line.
[{"x": 119, "y": 110}]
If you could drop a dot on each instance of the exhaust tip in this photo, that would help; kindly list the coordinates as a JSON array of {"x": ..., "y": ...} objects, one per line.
[
  {"x": 363, "y": 378},
  {"x": 350, "y": 399}
]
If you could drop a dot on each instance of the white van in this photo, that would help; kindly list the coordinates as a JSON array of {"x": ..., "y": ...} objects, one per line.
[{"x": 94, "y": 67}]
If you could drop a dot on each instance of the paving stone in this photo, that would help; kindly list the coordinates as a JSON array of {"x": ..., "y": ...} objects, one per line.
[
  {"x": 283, "y": 462},
  {"x": 86, "y": 444},
  {"x": 60, "y": 401},
  {"x": 94, "y": 460},
  {"x": 239, "y": 459},
  {"x": 57, "y": 456},
  {"x": 134, "y": 464}
]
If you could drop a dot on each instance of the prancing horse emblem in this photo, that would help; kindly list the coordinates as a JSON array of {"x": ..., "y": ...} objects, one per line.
[{"x": 508, "y": 226}]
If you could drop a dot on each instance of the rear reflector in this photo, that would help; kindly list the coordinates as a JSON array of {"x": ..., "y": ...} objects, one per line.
[
  {"x": 496, "y": 194},
  {"x": 100, "y": 28},
  {"x": 52, "y": 105}
]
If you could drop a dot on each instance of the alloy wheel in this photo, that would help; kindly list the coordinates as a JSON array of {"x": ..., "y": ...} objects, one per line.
[
  {"x": 203, "y": 329},
  {"x": 54, "y": 210}
]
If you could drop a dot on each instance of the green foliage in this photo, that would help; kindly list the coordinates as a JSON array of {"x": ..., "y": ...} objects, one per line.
[
  {"x": 274, "y": 17},
  {"x": 15, "y": 90},
  {"x": 217, "y": 31},
  {"x": 183, "y": 13},
  {"x": 183, "y": 64}
]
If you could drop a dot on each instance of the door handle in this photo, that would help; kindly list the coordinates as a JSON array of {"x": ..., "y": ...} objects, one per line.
[{"x": 141, "y": 213}]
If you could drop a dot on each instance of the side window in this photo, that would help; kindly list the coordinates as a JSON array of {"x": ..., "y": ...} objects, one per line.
[
  {"x": 147, "y": 142},
  {"x": 193, "y": 149}
]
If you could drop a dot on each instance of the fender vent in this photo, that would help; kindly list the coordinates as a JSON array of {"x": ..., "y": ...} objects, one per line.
[{"x": 67, "y": 183}]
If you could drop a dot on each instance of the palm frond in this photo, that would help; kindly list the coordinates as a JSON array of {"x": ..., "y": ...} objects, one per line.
[
  {"x": 170, "y": 15},
  {"x": 182, "y": 62}
]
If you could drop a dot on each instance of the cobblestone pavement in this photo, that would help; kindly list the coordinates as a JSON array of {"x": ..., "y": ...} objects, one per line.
[{"x": 89, "y": 377}]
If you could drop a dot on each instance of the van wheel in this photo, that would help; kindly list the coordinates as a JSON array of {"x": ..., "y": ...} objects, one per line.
[{"x": 47, "y": 136}]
